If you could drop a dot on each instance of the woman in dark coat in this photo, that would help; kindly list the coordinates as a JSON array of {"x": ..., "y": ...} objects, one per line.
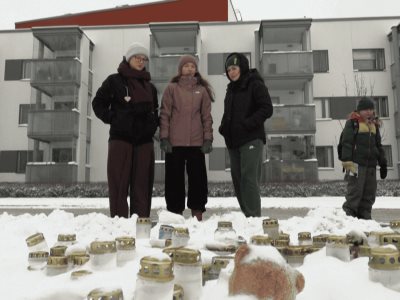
[
  {"x": 247, "y": 106},
  {"x": 128, "y": 102}
]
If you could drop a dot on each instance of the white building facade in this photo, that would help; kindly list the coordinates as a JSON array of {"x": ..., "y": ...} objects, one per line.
[{"x": 315, "y": 71}]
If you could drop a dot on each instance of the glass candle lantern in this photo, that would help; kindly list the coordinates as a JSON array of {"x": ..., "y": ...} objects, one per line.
[
  {"x": 105, "y": 294},
  {"x": 188, "y": 272},
  {"x": 337, "y": 246},
  {"x": 37, "y": 242},
  {"x": 261, "y": 240},
  {"x": 103, "y": 254},
  {"x": 294, "y": 255},
  {"x": 37, "y": 260},
  {"x": 271, "y": 227},
  {"x": 56, "y": 265},
  {"x": 143, "y": 228},
  {"x": 165, "y": 232},
  {"x": 155, "y": 279},
  {"x": 58, "y": 250},
  {"x": 125, "y": 249},
  {"x": 390, "y": 239},
  {"x": 320, "y": 240},
  {"x": 180, "y": 237},
  {"x": 304, "y": 238},
  {"x": 384, "y": 267},
  {"x": 225, "y": 233},
  {"x": 66, "y": 239}
]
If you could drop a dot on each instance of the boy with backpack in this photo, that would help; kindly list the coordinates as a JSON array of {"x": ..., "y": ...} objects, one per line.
[{"x": 361, "y": 151}]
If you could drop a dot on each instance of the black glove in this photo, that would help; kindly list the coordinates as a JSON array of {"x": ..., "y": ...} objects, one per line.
[
  {"x": 207, "y": 147},
  {"x": 383, "y": 171},
  {"x": 166, "y": 146}
]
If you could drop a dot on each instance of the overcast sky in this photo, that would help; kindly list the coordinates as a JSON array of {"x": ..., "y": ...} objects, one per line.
[{"x": 12, "y": 11}]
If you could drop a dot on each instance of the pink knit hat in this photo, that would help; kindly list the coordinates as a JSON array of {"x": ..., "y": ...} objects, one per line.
[{"x": 186, "y": 59}]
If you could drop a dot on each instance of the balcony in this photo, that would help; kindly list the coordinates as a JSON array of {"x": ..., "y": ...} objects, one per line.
[
  {"x": 51, "y": 173},
  {"x": 288, "y": 70},
  {"x": 51, "y": 125},
  {"x": 290, "y": 171},
  {"x": 50, "y": 74},
  {"x": 164, "y": 67},
  {"x": 292, "y": 119}
]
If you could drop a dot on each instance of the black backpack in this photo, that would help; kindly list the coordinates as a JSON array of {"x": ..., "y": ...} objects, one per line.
[{"x": 355, "y": 126}]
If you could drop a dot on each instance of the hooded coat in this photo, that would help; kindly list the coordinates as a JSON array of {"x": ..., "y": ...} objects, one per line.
[{"x": 247, "y": 106}]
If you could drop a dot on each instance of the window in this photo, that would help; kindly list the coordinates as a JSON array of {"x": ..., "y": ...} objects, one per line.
[
  {"x": 340, "y": 108},
  {"x": 388, "y": 154},
  {"x": 325, "y": 156},
  {"x": 368, "y": 59},
  {"x": 216, "y": 62},
  {"x": 322, "y": 108},
  {"x": 14, "y": 161},
  {"x": 320, "y": 61},
  {"x": 63, "y": 155},
  {"x": 16, "y": 69},
  {"x": 381, "y": 106},
  {"x": 219, "y": 159},
  {"x": 290, "y": 147}
]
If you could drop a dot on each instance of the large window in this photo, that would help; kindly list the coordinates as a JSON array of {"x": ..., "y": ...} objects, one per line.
[
  {"x": 63, "y": 155},
  {"x": 368, "y": 59},
  {"x": 14, "y": 161},
  {"x": 381, "y": 107},
  {"x": 219, "y": 159},
  {"x": 320, "y": 61},
  {"x": 388, "y": 154},
  {"x": 216, "y": 62},
  {"x": 325, "y": 156},
  {"x": 16, "y": 69}
]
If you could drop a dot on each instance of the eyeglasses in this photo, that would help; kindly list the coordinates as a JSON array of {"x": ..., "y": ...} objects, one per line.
[{"x": 141, "y": 58}]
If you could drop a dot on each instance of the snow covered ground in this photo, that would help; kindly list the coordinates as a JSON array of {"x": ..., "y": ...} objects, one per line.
[{"x": 325, "y": 277}]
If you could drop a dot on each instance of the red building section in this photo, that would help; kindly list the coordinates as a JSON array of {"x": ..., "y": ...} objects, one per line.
[{"x": 163, "y": 11}]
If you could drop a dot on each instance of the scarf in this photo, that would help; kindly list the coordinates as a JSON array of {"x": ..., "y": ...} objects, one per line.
[{"x": 138, "y": 83}]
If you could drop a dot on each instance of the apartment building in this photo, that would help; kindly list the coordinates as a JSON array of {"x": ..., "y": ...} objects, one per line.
[{"x": 315, "y": 71}]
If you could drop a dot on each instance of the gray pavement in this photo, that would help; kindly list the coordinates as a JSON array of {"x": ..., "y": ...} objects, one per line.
[{"x": 380, "y": 215}]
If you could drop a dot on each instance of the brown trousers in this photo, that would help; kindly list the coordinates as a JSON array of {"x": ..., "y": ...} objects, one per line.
[{"x": 130, "y": 168}]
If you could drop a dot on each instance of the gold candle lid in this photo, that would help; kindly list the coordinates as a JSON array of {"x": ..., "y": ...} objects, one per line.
[
  {"x": 295, "y": 251},
  {"x": 384, "y": 259},
  {"x": 395, "y": 224},
  {"x": 102, "y": 247},
  {"x": 38, "y": 254},
  {"x": 260, "y": 240},
  {"x": 320, "y": 239},
  {"x": 125, "y": 242},
  {"x": 225, "y": 224},
  {"x": 58, "y": 250},
  {"x": 270, "y": 222},
  {"x": 143, "y": 221},
  {"x": 81, "y": 260},
  {"x": 80, "y": 273},
  {"x": 57, "y": 261},
  {"x": 304, "y": 235},
  {"x": 67, "y": 237},
  {"x": 280, "y": 243},
  {"x": 284, "y": 236},
  {"x": 364, "y": 251},
  {"x": 337, "y": 239},
  {"x": 34, "y": 239},
  {"x": 156, "y": 269},
  {"x": 393, "y": 238},
  {"x": 186, "y": 256},
  {"x": 178, "y": 292},
  {"x": 181, "y": 231},
  {"x": 221, "y": 261},
  {"x": 102, "y": 294}
]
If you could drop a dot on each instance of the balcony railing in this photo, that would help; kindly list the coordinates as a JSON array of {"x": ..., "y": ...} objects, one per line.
[
  {"x": 290, "y": 171},
  {"x": 51, "y": 173},
  {"x": 52, "y": 125},
  {"x": 293, "y": 119},
  {"x": 164, "y": 67},
  {"x": 55, "y": 72},
  {"x": 287, "y": 64}
]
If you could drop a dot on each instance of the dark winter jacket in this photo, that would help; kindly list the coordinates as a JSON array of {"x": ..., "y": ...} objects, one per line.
[
  {"x": 363, "y": 146},
  {"x": 247, "y": 106},
  {"x": 131, "y": 121}
]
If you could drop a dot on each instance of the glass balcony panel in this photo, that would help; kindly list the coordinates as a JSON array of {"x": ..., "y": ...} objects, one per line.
[
  {"x": 51, "y": 173},
  {"x": 63, "y": 42},
  {"x": 289, "y": 119},
  {"x": 291, "y": 171},
  {"x": 290, "y": 147},
  {"x": 52, "y": 71},
  {"x": 277, "y": 64},
  {"x": 163, "y": 68},
  {"x": 48, "y": 125}
]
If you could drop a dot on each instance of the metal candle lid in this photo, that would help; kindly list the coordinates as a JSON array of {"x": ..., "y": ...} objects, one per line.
[
  {"x": 38, "y": 254},
  {"x": 260, "y": 240},
  {"x": 181, "y": 231},
  {"x": 81, "y": 260},
  {"x": 58, "y": 250},
  {"x": 395, "y": 224},
  {"x": 337, "y": 239},
  {"x": 384, "y": 259},
  {"x": 178, "y": 292},
  {"x": 66, "y": 237},
  {"x": 281, "y": 243},
  {"x": 34, "y": 239},
  {"x": 284, "y": 236},
  {"x": 143, "y": 221},
  {"x": 156, "y": 269},
  {"x": 270, "y": 222},
  {"x": 225, "y": 224},
  {"x": 57, "y": 261},
  {"x": 125, "y": 243},
  {"x": 320, "y": 239},
  {"x": 364, "y": 251},
  {"x": 305, "y": 235},
  {"x": 220, "y": 262},
  {"x": 186, "y": 256},
  {"x": 102, "y": 247},
  {"x": 102, "y": 294},
  {"x": 295, "y": 251},
  {"x": 393, "y": 239},
  {"x": 80, "y": 273}
]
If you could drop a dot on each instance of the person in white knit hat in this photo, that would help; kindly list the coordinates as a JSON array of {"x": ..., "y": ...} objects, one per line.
[{"x": 127, "y": 100}]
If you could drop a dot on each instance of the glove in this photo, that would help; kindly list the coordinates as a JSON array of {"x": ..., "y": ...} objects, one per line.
[
  {"x": 207, "y": 147},
  {"x": 349, "y": 166},
  {"x": 166, "y": 146},
  {"x": 383, "y": 171}
]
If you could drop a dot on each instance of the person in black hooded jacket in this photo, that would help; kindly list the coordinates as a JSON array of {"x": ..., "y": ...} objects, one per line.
[
  {"x": 247, "y": 106},
  {"x": 127, "y": 100}
]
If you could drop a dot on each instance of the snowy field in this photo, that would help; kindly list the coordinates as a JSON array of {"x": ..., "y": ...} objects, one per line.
[{"x": 325, "y": 277}]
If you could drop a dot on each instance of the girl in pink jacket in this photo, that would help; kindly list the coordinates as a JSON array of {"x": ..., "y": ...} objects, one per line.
[{"x": 186, "y": 135}]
